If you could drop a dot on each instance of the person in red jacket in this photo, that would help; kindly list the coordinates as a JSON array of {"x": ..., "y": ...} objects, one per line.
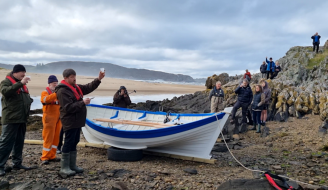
[{"x": 247, "y": 75}]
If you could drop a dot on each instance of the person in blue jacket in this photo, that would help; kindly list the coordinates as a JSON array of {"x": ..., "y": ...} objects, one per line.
[
  {"x": 316, "y": 41},
  {"x": 270, "y": 67},
  {"x": 245, "y": 97}
]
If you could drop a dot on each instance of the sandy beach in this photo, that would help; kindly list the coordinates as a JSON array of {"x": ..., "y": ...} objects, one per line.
[{"x": 109, "y": 86}]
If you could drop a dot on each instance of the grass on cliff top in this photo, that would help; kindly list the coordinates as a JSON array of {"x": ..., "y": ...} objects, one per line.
[{"x": 317, "y": 59}]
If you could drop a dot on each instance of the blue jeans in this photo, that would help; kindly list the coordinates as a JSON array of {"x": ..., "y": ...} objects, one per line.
[{"x": 257, "y": 117}]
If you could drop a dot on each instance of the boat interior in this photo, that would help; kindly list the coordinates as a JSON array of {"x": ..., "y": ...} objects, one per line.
[{"x": 125, "y": 119}]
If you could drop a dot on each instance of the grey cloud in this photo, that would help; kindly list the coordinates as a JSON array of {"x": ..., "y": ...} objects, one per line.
[{"x": 191, "y": 37}]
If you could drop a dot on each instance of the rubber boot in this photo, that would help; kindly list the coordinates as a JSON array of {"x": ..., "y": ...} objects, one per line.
[
  {"x": 254, "y": 127},
  {"x": 64, "y": 164},
  {"x": 72, "y": 163},
  {"x": 258, "y": 128}
]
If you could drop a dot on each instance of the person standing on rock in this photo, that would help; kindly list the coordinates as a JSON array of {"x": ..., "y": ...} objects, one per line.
[
  {"x": 248, "y": 75},
  {"x": 73, "y": 116},
  {"x": 16, "y": 103},
  {"x": 216, "y": 97},
  {"x": 245, "y": 97},
  {"x": 51, "y": 122},
  {"x": 277, "y": 70},
  {"x": 316, "y": 41},
  {"x": 257, "y": 106},
  {"x": 267, "y": 93},
  {"x": 121, "y": 98},
  {"x": 263, "y": 69},
  {"x": 270, "y": 67}
]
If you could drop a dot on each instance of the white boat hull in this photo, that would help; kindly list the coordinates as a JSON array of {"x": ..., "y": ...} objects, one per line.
[{"x": 193, "y": 141}]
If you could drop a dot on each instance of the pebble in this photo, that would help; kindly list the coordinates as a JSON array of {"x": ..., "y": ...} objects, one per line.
[
  {"x": 276, "y": 167},
  {"x": 167, "y": 180},
  {"x": 190, "y": 171}
]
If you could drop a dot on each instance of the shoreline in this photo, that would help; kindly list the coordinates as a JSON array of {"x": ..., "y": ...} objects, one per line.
[{"x": 109, "y": 86}]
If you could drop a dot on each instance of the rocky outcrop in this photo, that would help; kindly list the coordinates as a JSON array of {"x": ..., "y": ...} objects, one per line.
[{"x": 326, "y": 45}]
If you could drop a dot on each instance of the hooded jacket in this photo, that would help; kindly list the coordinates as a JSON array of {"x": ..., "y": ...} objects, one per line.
[
  {"x": 73, "y": 112},
  {"x": 121, "y": 101},
  {"x": 216, "y": 92},
  {"x": 270, "y": 65},
  {"x": 15, "y": 106},
  {"x": 245, "y": 94},
  {"x": 267, "y": 92}
]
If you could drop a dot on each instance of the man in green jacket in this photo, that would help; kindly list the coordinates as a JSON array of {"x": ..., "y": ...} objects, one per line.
[{"x": 16, "y": 103}]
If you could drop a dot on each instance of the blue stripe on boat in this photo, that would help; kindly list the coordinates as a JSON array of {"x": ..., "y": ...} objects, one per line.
[{"x": 155, "y": 132}]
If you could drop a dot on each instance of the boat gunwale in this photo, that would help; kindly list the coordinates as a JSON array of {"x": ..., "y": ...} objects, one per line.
[{"x": 150, "y": 112}]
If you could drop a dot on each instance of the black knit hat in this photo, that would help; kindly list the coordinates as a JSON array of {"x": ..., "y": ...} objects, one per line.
[
  {"x": 122, "y": 87},
  {"x": 52, "y": 78},
  {"x": 18, "y": 68}
]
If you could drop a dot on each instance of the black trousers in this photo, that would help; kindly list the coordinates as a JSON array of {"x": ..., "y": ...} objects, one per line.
[
  {"x": 269, "y": 73},
  {"x": 274, "y": 75},
  {"x": 61, "y": 136},
  {"x": 244, "y": 108},
  {"x": 12, "y": 141},
  {"x": 316, "y": 45},
  {"x": 72, "y": 138}
]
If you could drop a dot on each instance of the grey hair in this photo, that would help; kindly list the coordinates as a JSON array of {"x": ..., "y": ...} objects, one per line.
[
  {"x": 68, "y": 72},
  {"x": 218, "y": 82},
  {"x": 245, "y": 80}
]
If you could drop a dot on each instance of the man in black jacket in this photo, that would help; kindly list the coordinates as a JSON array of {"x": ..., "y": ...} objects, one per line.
[
  {"x": 316, "y": 41},
  {"x": 245, "y": 97},
  {"x": 263, "y": 69},
  {"x": 73, "y": 114}
]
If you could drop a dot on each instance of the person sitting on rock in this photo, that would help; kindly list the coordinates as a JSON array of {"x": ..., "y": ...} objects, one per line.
[
  {"x": 121, "y": 98},
  {"x": 267, "y": 93},
  {"x": 277, "y": 70},
  {"x": 270, "y": 67},
  {"x": 247, "y": 75},
  {"x": 216, "y": 97},
  {"x": 316, "y": 41},
  {"x": 245, "y": 96},
  {"x": 257, "y": 106},
  {"x": 263, "y": 69}
]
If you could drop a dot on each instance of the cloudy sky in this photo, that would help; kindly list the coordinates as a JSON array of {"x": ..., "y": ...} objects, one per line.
[{"x": 194, "y": 37}]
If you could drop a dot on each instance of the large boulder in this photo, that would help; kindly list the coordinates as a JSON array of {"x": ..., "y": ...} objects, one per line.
[{"x": 211, "y": 81}]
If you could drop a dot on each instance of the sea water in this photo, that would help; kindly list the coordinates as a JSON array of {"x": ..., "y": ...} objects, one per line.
[{"x": 109, "y": 99}]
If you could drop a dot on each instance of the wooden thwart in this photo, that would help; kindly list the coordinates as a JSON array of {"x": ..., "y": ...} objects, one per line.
[{"x": 128, "y": 122}]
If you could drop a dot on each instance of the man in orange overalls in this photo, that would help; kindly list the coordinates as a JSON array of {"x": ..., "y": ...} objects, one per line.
[{"x": 51, "y": 122}]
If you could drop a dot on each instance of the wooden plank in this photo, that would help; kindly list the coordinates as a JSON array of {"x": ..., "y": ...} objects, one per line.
[
  {"x": 202, "y": 160},
  {"x": 128, "y": 122}
]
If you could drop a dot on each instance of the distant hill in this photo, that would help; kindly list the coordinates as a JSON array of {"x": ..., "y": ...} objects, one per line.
[{"x": 112, "y": 70}]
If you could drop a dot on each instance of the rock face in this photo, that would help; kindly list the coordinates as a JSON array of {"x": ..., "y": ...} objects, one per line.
[{"x": 326, "y": 45}]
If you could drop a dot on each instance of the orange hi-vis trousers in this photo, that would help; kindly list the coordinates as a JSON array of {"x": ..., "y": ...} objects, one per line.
[{"x": 51, "y": 125}]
